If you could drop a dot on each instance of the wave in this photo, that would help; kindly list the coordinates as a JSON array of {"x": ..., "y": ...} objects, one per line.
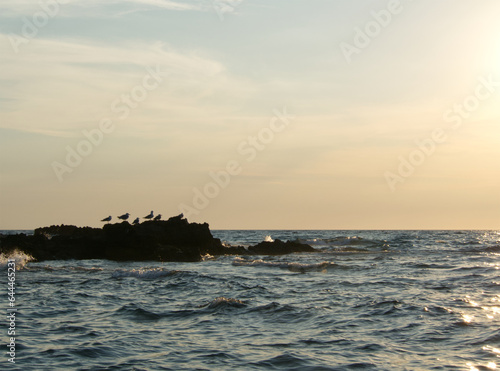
[
  {"x": 292, "y": 266},
  {"x": 344, "y": 242},
  {"x": 479, "y": 248},
  {"x": 152, "y": 273},
  {"x": 494, "y": 248},
  {"x": 86, "y": 269},
  {"x": 223, "y": 302},
  {"x": 20, "y": 258},
  {"x": 296, "y": 361},
  {"x": 50, "y": 268},
  {"x": 138, "y": 313},
  {"x": 354, "y": 240}
]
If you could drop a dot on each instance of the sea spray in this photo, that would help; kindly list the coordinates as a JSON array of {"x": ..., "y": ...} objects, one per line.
[{"x": 20, "y": 258}]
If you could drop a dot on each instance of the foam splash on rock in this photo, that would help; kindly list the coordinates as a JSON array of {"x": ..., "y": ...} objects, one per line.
[
  {"x": 268, "y": 239},
  {"x": 19, "y": 257}
]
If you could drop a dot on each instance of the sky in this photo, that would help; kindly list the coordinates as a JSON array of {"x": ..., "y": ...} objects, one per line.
[{"x": 251, "y": 114}]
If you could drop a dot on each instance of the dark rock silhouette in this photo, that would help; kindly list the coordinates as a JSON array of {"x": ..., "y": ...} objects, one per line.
[
  {"x": 279, "y": 247},
  {"x": 172, "y": 240}
]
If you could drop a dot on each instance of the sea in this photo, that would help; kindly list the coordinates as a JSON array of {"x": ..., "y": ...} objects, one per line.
[{"x": 368, "y": 300}]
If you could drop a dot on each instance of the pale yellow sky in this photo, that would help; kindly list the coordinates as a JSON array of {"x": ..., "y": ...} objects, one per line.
[{"x": 250, "y": 114}]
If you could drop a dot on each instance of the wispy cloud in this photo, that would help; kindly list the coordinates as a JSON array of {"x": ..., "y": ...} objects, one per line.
[
  {"x": 166, "y": 4},
  {"x": 65, "y": 85},
  {"x": 14, "y": 8}
]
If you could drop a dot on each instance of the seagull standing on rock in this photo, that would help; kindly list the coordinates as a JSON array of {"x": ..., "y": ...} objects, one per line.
[
  {"x": 157, "y": 217},
  {"x": 150, "y": 216},
  {"x": 124, "y": 216},
  {"x": 136, "y": 221},
  {"x": 108, "y": 219}
]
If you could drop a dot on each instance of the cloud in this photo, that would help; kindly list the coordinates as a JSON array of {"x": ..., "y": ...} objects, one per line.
[
  {"x": 97, "y": 8},
  {"x": 165, "y": 4},
  {"x": 225, "y": 6},
  {"x": 56, "y": 86}
]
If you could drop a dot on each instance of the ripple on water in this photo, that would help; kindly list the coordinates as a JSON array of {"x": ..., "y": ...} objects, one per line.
[{"x": 428, "y": 305}]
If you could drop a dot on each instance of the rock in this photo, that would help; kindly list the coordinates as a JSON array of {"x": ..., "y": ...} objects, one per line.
[
  {"x": 278, "y": 247},
  {"x": 172, "y": 240}
]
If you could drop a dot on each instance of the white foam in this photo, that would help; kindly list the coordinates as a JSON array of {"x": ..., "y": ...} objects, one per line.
[
  {"x": 143, "y": 273},
  {"x": 207, "y": 257},
  {"x": 268, "y": 239},
  {"x": 20, "y": 258}
]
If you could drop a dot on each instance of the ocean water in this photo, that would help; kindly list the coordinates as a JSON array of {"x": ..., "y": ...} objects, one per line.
[{"x": 370, "y": 300}]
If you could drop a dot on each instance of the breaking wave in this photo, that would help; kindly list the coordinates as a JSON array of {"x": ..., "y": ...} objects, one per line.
[
  {"x": 268, "y": 239},
  {"x": 20, "y": 258}
]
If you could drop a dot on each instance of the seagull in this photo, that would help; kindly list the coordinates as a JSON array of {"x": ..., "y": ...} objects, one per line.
[
  {"x": 124, "y": 216},
  {"x": 150, "y": 216},
  {"x": 157, "y": 217},
  {"x": 108, "y": 219},
  {"x": 136, "y": 221}
]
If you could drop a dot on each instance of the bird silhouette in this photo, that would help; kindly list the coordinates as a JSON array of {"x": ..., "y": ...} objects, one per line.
[
  {"x": 108, "y": 219},
  {"x": 150, "y": 216},
  {"x": 157, "y": 217},
  {"x": 136, "y": 221},
  {"x": 124, "y": 216}
]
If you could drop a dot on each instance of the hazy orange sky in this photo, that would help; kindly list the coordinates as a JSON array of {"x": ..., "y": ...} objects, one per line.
[{"x": 251, "y": 114}]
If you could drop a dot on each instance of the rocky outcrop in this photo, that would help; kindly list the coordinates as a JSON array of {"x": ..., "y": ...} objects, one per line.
[
  {"x": 172, "y": 240},
  {"x": 278, "y": 247}
]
